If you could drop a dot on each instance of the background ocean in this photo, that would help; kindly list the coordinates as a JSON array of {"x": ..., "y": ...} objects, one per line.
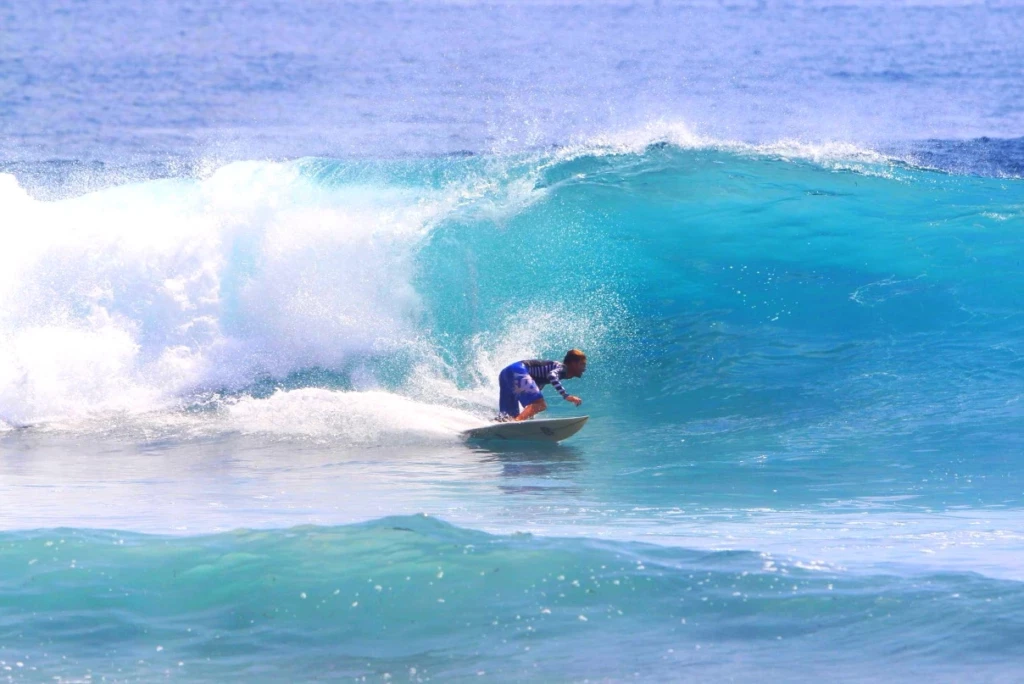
[{"x": 261, "y": 263}]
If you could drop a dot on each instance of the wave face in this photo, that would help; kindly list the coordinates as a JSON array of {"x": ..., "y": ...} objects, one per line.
[
  {"x": 413, "y": 598},
  {"x": 803, "y": 302},
  {"x": 832, "y": 295}
]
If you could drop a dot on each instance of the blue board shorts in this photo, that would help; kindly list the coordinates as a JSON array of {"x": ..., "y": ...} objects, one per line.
[{"x": 517, "y": 387}]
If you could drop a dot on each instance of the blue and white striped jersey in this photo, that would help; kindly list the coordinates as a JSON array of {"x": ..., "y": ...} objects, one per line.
[{"x": 547, "y": 372}]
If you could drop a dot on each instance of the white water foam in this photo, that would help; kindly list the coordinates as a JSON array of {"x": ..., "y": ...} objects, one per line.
[
  {"x": 124, "y": 300},
  {"x": 355, "y": 418},
  {"x": 120, "y": 307}
]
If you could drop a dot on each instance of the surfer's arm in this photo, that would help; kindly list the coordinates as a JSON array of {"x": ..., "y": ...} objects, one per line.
[{"x": 553, "y": 379}]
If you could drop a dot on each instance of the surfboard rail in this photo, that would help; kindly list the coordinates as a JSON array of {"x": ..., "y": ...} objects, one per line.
[{"x": 534, "y": 430}]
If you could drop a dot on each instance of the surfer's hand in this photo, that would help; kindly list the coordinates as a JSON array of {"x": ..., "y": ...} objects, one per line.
[{"x": 575, "y": 400}]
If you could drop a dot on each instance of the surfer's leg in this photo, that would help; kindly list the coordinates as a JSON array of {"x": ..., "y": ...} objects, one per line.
[
  {"x": 508, "y": 405},
  {"x": 526, "y": 389}
]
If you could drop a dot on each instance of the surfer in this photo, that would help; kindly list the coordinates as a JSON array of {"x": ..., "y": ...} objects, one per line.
[{"x": 522, "y": 381}]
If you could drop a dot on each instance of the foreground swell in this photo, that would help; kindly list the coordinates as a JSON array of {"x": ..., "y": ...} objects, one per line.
[{"x": 414, "y": 598}]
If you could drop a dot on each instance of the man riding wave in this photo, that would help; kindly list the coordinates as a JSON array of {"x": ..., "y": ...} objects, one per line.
[{"x": 521, "y": 383}]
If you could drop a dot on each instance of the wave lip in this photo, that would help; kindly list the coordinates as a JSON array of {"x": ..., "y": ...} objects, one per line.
[
  {"x": 831, "y": 154},
  {"x": 984, "y": 157}
]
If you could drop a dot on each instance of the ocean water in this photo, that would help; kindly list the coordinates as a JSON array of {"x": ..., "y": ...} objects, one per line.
[{"x": 261, "y": 264}]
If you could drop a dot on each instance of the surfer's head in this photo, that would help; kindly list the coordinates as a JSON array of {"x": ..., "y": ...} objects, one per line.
[{"x": 575, "y": 363}]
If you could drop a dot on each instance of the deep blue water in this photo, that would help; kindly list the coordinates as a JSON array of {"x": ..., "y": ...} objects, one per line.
[{"x": 262, "y": 263}]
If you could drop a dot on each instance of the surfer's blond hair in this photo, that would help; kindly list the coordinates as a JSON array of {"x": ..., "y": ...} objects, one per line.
[{"x": 574, "y": 355}]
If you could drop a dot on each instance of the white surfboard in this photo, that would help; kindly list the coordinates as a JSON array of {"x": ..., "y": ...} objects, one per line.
[{"x": 537, "y": 430}]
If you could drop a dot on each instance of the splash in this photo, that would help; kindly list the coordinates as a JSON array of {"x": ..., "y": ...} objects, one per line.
[{"x": 129, "y": 298}]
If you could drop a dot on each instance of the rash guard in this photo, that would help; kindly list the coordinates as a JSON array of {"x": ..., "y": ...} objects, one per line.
[{"x": 547, "y": 373}]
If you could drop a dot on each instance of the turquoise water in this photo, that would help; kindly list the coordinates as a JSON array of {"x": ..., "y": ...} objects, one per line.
[
  {"x": 415, "y": 599},
  {"x": 262, "y": 262},
  {"x": 804, "y": 390}
]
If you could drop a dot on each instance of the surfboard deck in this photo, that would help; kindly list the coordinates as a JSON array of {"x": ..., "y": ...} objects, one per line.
[{"x": 536, "y": 430}]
